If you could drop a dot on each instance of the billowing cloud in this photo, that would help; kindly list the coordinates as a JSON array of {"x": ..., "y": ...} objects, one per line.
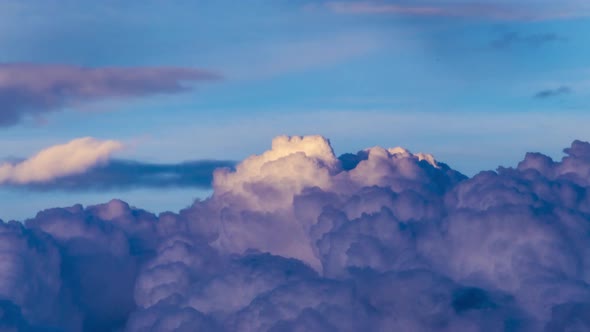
[
  {"x": 72, "y": 158},
  {"x": 297, "y": 239},
  {"x": 29, "y": 89}
]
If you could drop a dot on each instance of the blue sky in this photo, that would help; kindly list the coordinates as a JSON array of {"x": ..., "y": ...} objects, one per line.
[{"x": 476, "y": 83}]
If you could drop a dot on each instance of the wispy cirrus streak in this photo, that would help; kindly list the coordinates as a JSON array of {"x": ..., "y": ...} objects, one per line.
[
  {"x": 28, "y": 89},
  {"x": 71, "y": 158},
  {"x": 501, "y": 10}
]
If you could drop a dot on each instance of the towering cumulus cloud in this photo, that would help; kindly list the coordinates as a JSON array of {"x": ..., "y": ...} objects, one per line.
[{"x": 298, "y": 239}]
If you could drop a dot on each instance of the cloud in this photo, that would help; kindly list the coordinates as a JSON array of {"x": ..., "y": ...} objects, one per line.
[
  {"x": 409, "y": 10},
  {"x": 512, "y": 39},
  {"x": 85, "y": 164},
  {"x": 503, "y": 11},
  {"x": 74, "y": 157},
  {"x": 297, "y": 239},
  {"x": 128, "y": 174},
  {"x": 28, "y": 89},
  {"x": 551, "y": 93}
]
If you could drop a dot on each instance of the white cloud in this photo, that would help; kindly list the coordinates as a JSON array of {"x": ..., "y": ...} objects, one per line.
[
  {"x": 57, "y": 161},
  {"x": 292, "y": 164}
]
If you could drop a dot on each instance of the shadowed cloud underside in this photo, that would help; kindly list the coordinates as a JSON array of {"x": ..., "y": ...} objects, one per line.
[
  {"x": 28, "y": 89},
  {"x": 86, "y": 164}
]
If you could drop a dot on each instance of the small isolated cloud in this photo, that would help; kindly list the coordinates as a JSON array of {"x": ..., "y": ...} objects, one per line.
[
  {"x": 551, "y": 93},
  {"x": 31, "y": 89},
  {"x": 513, "y": 38},
  {"x": 74, "y": 157}
]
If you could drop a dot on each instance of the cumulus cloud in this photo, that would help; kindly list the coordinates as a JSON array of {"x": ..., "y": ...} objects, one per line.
[
  {"x": 298, "y": 239},
  {"x": 30, "y": 89},
  {"x": 72, "y": 158}
]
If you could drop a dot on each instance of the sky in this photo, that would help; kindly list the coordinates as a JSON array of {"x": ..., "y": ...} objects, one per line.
[
  {"x": 294, "y": 165},
  {"x": 181, "y": 88}
]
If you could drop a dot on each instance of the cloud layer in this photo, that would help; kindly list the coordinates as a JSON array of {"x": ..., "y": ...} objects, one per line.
[
  {"x": 514, "y": 38},
  {"x": 86, "y": 164},
  {"x": 72, "y": 158},
  {"x": 30, "y": 89},
  {"x": 551, "y": 93},
  {"x": 498, "y": 10},
  {"x": 297, "y": 239},
  {"x": 119, "y": 174}
]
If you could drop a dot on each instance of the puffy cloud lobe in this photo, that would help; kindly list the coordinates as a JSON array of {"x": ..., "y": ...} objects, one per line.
[
  {"x": 72, "y": 158},
  {"x": 30, "y": 281},
  {"x": 270, "y": 180},
  {"x": 29, "y": 89},
  {"x": 382, "y": 240}
]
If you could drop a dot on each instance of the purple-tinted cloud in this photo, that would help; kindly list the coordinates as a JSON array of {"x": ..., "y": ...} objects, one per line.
[
  {"x": 30, "y": 89},
  {"x": 296, "y": 239}
]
